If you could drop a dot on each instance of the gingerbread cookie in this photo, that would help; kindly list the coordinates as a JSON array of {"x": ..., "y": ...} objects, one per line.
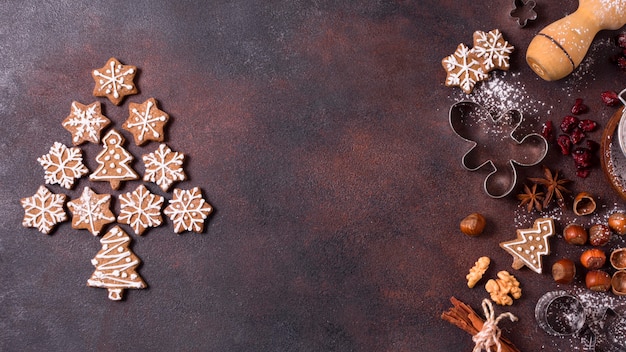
[
  {"x": 140, "y": 209},
  {"x": 116, "y": 265},
  {"x": 114, "y": 162},
  {"x": 188, "y": 210},
  {"x": 146, "y": 122},
  {"x": 85, "y": 122},
  {"x": 530, "y": 245},
  {"x": 91, "y": 211},
  {"x": 492, "y": 50},
  {"x": 63, "y": 165},
  {"x": 114, "y": 81},
  {"x": 43, "y": 210},
  {"x": 463, "y": 69},
  {"x": 164, "y": 167}
]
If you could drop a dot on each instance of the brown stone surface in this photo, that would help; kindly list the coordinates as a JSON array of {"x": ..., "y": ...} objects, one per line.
[{"x": 319, "y": 132}]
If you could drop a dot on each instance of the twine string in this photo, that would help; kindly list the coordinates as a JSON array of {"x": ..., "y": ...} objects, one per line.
[{"x": 489, "y": 335}]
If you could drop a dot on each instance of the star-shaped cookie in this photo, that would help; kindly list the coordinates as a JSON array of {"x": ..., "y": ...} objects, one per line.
[
  {"x": 85, "y": 122},
  {"x": 91, "y": 211},
  {"x": 114, "y": 81},
  {"x": 146, "y": 122}
]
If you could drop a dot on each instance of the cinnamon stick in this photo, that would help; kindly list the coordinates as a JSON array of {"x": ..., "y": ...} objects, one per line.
[{"x": 465, "y": 318}]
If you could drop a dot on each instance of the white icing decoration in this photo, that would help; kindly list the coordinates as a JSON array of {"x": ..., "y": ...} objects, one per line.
[
  {"x": 140, "y": 209},
  {"x": 112, "y": 144},
  {"x": 163, "y": 167},
  {"x": 43, "y": 210},
  {"x": 89, "y": 209},
  {"x": 541, "y": 230},
  {"x": 493, "y": 53},
  {"x": 144, "y": 121},
  {"x": 469, "y": 70},
  {"x": 88, "y": 122},
  {"x": 182, "y": 212},
  {"x": 113, "y": 80},
  {"x": 63, "y": 165}
]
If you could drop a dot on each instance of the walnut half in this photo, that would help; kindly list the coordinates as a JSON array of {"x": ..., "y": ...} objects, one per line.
[
  {"x": 476, "y": 272},
  {"x": 504, "y": 289}
]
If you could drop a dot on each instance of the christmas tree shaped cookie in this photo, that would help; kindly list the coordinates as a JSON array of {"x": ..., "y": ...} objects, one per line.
[
  {"x": 530, "y": 245},
  {"x": 114, "y": 161},
  {"x": 116, "y": 265}
]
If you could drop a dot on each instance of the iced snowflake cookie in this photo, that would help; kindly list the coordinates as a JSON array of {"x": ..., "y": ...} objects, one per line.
[
  {"x": 91, "y": 211},
  {"x": 62, "y": 165},
  {"x": 188, "y": 210},
  {"x": 140, "y": 209},
  {"x": 146, "y": 122},
  {"x": 114, "y": 161},
  {"x": 164, "y": 167},
  {"x": 85, "y": 122},
  {"x": 116, "y": 265},
  {"x": 492, "y": 50},
  {"x": 114, "y": 81},
  {"x": 463, "y": 69},
  {"x": 44, "y": 210}
]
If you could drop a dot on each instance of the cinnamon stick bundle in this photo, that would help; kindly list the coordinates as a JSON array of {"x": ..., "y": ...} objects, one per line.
[{"x": 465, "y": 318}]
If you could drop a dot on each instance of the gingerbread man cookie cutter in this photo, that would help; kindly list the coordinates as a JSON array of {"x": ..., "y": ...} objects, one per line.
[
  {"x": 523, "y": 11},
  {"x": 495, "y": 143}
]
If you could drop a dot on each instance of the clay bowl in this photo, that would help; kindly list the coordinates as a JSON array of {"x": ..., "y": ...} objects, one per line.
[{"x": 618, "y": 259}]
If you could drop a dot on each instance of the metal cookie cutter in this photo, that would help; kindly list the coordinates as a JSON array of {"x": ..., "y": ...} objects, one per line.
[
  {"x": 495, "y": 144},
  {"x": 523, "y": 11}
]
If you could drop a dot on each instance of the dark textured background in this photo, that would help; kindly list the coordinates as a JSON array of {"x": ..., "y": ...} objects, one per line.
[{"x": 319, "y": 132}]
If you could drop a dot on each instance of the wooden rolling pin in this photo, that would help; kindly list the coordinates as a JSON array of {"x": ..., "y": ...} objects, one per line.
[{"x": 560, "y": 47}]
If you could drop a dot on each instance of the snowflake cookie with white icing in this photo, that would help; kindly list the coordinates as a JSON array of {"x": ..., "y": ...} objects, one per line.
[
  {"x": 463, "y": 69},
  {"x": 146, "y": 122},
  {"x": 44, "y": 210},
  {"x": 91, "y": 211},
  {"x": 140, "y": 209},
  {"x": 164, "y": 167},
  {"x": 114, "y": 81},
  {"x": 85, "y": 122},
  {"x": 492, "y": 50},
  {"x": 63, "y": 165},
  {"x": 188, "y": 210},
  {"x": 114, "y": 161}
]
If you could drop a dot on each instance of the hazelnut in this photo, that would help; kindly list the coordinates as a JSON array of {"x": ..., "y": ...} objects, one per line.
[
  {"x": 563, "y": 271},
  {"x": 598, "y": 280},
  {"x": 617, "y": 223},
  {"x": 473, "y": 224},
  {"x": 593, "y": 259},
  {"x": 599, "y": 235},
  {"x": 575, "y": 234}
]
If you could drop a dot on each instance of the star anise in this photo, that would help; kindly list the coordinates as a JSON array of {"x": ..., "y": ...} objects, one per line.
[
  {"x": 554, "y": 186},
  {"x": 531, "y": 198}
]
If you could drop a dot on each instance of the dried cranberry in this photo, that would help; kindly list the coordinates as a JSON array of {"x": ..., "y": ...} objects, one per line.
[
  {"x": 621, "y": 63},
  {"x": 569, "y": 123},
  {"x": 565, "y": 144},
  {"x": 583, "y": 158},
  {"x": 582, "y": 173},
  {"x": 593, "y": 146},
  {"x": 587, "y": 125},
  {"x": 579, "y": 107},
  {"x": 577, "y": 135},
  {"x": 547, "y": 131},
  {"x": 610, "y": 98}
]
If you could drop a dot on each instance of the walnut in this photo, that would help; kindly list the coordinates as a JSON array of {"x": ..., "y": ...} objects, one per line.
[
  {"x": 504, "y": 289},
  {"x": 476, "y": 273}
]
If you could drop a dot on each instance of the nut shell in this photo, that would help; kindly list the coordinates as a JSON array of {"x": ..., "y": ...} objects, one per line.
[
  {"x": 593, "y": 259},
  {"x": 618, "y": 283},
  {"x": 617, "y": 223},
  {"x": 598, "y": 280},
  {"x": 618, "y": 259},
  {"x": 584, "y": 204},
  {"x": 473, "y": 224}
]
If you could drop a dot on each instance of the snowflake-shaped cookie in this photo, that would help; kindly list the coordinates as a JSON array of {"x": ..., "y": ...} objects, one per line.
[
  {"x": 85, "y": 122},
  {"x": 163, "y": 167},
  {"x": 91, "y": 211},
  {"x": 463, "y": 69},
  {"x": 146, "y": 122},
  {"x": 188, "y": 210},
  {"x": 43, "y": 210},
  {"x": 114, "y": 81},
  {"x": 140, "y": 209},
  {"x": 62, "y": 165},
  {"x": 492, "y": 49}
]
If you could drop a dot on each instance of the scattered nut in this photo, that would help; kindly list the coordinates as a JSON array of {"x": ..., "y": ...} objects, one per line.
[
  {"x": 584, "y": 204},
  {"x": 504, "y": 289},
  {"x": 476, "y": 273},
  {"x": 599, "y": 235},
  {"x": 575, "y": 234},
  {"x": 617, "y": 223},
  {"x": 473, "y": 224},
  {"x": 563, "y": 271},
  {"x": 618, "y": 283},
  {"x": 598, "y": 280},
  {"x": 593, "y": 259},
  {"x": 618, "y": 259}
]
